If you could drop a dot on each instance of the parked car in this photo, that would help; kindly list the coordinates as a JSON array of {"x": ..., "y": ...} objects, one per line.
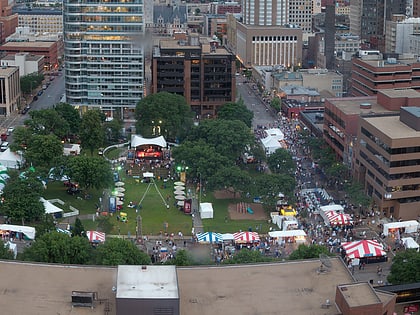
[
  {"x": 40, "y": 92},
  {"x": 4, "y": 146},
  {"x": 10, "y": 130},
  {"x": 3, "y": 137}
]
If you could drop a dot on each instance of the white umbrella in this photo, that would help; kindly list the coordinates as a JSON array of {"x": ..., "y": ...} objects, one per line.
[
  {"x": 119, "y": 203},
  {"x": 120, "y": 189},
  {"x": 120, "y": 194},
  {"x": 179, "y": 187},
  {"x": 180, "y": 197},
  {"x": 180, "y": 203},
  {"x": 119, "y": 184},
  {"x": 179, "y": 192},
  {"x": 179, "y": 183}
]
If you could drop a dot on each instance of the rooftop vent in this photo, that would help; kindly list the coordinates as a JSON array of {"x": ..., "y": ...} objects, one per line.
[
  {"x": 365, "y": 105},
  {"x": 83, "y": 299}
]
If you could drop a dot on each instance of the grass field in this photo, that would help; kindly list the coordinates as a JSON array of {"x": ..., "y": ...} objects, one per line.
[{"x": 155, "y": 216}]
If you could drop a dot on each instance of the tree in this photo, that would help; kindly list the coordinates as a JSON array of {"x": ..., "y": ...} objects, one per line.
[
  {"x": 45, "y": 225},
  {"x": 236, "y": 111},
  {"x": 281, "y": 162},
  {"x": 21, "y": 199},
  {"x": 405, "y": 267},
  {"x": 117, "y": 251},
  {"x": 276, "y": 103},
  {"x": 30, "y": 82},
  {"x": 308, "y": 252},
  {"x": 43, "y": 150},
  {"x": 78, "y": 229},
  {"x": 91, "y": 130},
  {"x": 59, "y": 248},
  {"x": 112, "y": 130},
  {"x": 246, "y": 256},
  {"x": 71, "y": 116},
  {"x": 229, "y": 137},
  {"x": 22, "y": 136},
  {"x": 230, "y": 177},
  {"x": 5, "y": 252},
  {"x": 182, "y": 258},
  {"x": 48, "y": 121},
  {"x": 90, "y": 171},
  {"x": 164, "y": 114},
  {"x": 269, "y": 185}
]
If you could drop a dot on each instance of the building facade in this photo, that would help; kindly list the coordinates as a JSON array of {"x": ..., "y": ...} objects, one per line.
[
  {"x": 8, "y": 20},
  {"x": 104, "y": 60},
  {"x": 41, "y": 20},
  {"x": 198, "y": 69},
  {"x": 26, "y": 62},
  {"x": 10, "y": 94}
]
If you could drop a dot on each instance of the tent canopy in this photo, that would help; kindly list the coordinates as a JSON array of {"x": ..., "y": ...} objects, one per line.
[
  {"x": 275, "y": 133},
  {"x": 334, "y": 218},
  {"x": 209, "y": 237},
  {"x": 409, "y": 226},
  {"x": 290, "y": 233},
  {"x": 337, "y": 208},
  {"x": 49, "y": 207},
  {"x": 95, "y": 236},
  {"x": 246, "y": 237},
  {"x": 364, "y": 248},
  {"x": 228, "y": 237},
  {"x": 271, "y": 144},
  {"x": 206, "y": 210},
  {"x": 28, "y": 231},
  {"x": 11, "y": 159},
  {"x": 409, "y": 242},
  {"x": 137, "y": 140}
]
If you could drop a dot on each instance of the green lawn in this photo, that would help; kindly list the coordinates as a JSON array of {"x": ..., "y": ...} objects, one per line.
[{"x": 153, "y": 212}]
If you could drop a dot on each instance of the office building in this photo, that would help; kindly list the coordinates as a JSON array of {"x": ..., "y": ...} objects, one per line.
[
  {"x": 103, "y": 47},
  {"x": 40, "y": 20},
  {"x": 8, "y": 20},
  {"x": 196, "y": 68},
  {"x": 26, "y": 63},
  {"x": 402, "y": 35},
  {"x": 10, "y": 94}
]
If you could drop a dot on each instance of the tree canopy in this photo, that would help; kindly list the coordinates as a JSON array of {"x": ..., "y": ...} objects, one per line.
[
  {"x": 281, "y": 162},
  {"x": 5, "y": 252},
  {"x": 236, "y": 111},
  {"x": 21, "y": 199},
  {"x": 164, "y": 114},
  {"x": 30, "y": 82},
  {"x": 71, "y": 116},
  {"x": 43, "y": 150},
  {"x": 92, "y": 132},
  {"x": 89, "y": 171},
  {"x": 117, "y": 251},
  {"x": 405, "y": 267},
  {"x": 308, "y": 252},
  {"x": 48, "y": 121}
]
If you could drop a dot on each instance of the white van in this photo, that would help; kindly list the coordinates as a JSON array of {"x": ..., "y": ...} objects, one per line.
[{"x": 4, "y": 146}]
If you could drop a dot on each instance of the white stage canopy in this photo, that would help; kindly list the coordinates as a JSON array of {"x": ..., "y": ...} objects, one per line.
[
  {"x": 290, "y": 233},
  {"x": 337, "y": 208},
  {"x": 28, "y": 231},
  {"x": 137, "y": 140},
  {"x": 409, "y": 242},
  {"x": 409, "y": 226},
  {"x": 49, "y": 207}
]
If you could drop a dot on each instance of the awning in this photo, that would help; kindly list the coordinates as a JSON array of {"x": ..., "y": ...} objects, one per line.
[
  {"x": 209, "y": 237},
  {"x": 290, "y": 233},
  {"x": 95, "y": 236},
  {"x": 364, "y": 248},
  {"x": 246, "y": 237}
]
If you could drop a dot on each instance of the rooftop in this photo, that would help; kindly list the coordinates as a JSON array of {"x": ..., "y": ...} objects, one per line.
[
  {"x": 31, "y": 45},
  {"x": 408, "y": 93},
  {"x": 351, "y": 105},
  {"x": 359, "y": 294},
  {"x": 147, "y": 282},
  {"x": 28, "y": 57},
  {"x": 392, "y": 127}
]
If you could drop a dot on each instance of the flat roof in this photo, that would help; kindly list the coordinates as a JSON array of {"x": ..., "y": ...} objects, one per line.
[
  {"x": 29, "y": 57},
  {"x": 415, "y": 111},
  {"x": 351, "y": 105},
  {"x": 292, "y": 287},
  {"x": 147, "y": 282},
  {"x": 30, "y": 288},
  {"x": 40, "y": 44},
  {"x": 392, "y": 127},
  {"x": 357, "y": 294},
  {"x": 408, "y": 93},
  {"x": 5, "y": 71}
]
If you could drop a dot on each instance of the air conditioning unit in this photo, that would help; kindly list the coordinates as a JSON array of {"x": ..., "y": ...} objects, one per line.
[{"x": 83, "y": 299}]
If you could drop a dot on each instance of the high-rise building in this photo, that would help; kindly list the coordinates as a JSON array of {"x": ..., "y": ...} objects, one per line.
[{"x": 104, "y": 60}]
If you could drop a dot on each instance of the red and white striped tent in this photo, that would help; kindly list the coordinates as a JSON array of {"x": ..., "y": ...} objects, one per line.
[
  {"x": 246, "y": 237},
  {"x": 95, "y": 237},
  {"x": 364, "y": 248},
  {"x": 338, "y": 218}
]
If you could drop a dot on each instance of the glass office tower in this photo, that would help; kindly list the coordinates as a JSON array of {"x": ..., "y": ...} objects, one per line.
[{"x": 104, "y": 59}]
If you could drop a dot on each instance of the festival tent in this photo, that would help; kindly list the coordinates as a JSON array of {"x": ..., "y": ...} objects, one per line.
[
  {"x": 206, "y": 210},
  {"x": 49, "y": 207},
  {"x": 246, "y": 237},
  {"x": 95, "y": 237},
  {"x": 335, "y": 218},
  {"x": 28, "y": 231},
  {"x": 364, "y": 248},
  {"x": 11, "y": 159},
  {"x": 408, "y": 226},
  {"x": 275, "y": 133},
  {"x": 289, "y": 233},
  {"x": 12, "y": 247},
  {"x": 409, "y": 242},
  {"x": 228, "y": 237},
  {"x": 209, "y": 237},
  {"x": 137, "y": 140},
  {"x": 336, "y": 208},
  {"x": 271, "y": 144}
]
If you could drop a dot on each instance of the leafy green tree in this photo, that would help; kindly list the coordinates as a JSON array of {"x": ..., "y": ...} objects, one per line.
[
  {"x": 43, "y": 150},
  {"x": 281, "y": 162},
  {"x": 246, "y": 256},
  {"x": 45, "y": 225},
  {"x": 236, "y": 111},
  {"x": 21, "y": 199},
  {"x": 164, "y": 114},
  {"x": 269, "y": 185},
  {"x": 78, "y": 229},
  {"x": 357, "y": 195},
  {"x": 5, "y": 253},
  {"x": 58, "y": 247},
  {"x": 230, "y": 177},
  {"x": 113, "y": 130},
  {"x": 308, "y": 252},
  {"x": 91, "y": 130},
  {"x": 48, "y": 121},
  {"x": 104, "y": 224},
  {"x": 90, "y": 171},
  {"x": 71, "y": 115},
  {"x": 229, "y": 137},
  {"x": 30, "y": 81},
  {"x": 276, "y": 103},
  {"x": 182, "y": 258},
  {"x": 22, "y": 136},
  {"x": 117, "y": 251},
  {"x": 405, "y": 267}
]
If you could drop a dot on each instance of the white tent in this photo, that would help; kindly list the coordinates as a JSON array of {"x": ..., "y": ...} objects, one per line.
[
  {"x": 290, "y": 233},
  {"x": 227, "y": 237},
  {"x": 11, "y": 159},
  {"x": 137, "y": 140},
  {"x": 275, "y": 132},
  {"x": 12, "y": 247},
  {"x": 49, "y": 207},
  {"x": 271, "y": 144},
  {"x": 409, "y": 242},
  {"x": 336, "y": 208},
  {"x": 71, "y": 149},
  {"x": 206, "y": 210},
  {"x": 28, "y": 231},
  {"x": 409, "y": 226}
]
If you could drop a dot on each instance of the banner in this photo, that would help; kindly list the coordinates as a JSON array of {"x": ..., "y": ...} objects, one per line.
[
  {"x": 112, "y": 204},
  {"x": 187, "y": 205}
]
